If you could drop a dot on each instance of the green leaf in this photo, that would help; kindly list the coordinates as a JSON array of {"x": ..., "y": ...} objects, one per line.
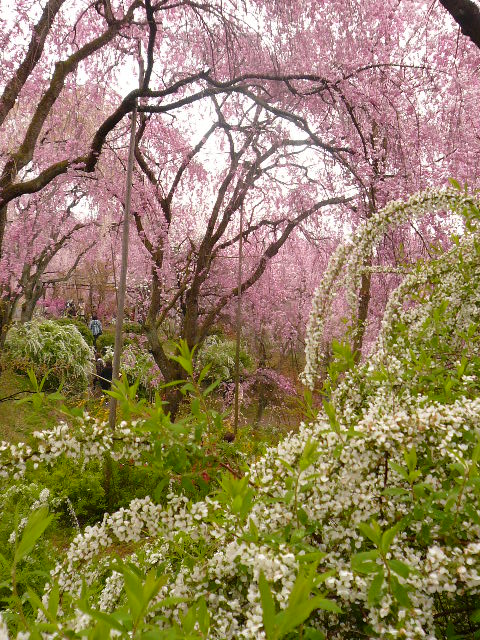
[
  {"x": 403, "y": 473},
  {"x": 173, "y": 383},
  {"x": 410, "y": 459},
  {"x": 475, "y": 617},
  {"x": 399, "y": 567},
  {"x": 253, "y": 529},
  {"x": 371, "y": 531},
  {"x": 291, "y": 617},
  {"x": 36, "y": 525},
  {"x": 286, "y": 465},
  {"x": 455, "y": 184},
  {"x": 184, "y": 363},
  {"x": 203, "y": 617},
  {"x": 211, "y": 387},
  {"x": 268, "y": 607},
  {"x": 375, "y": 589},
  {"x": 399, "y": 592},
  {"x": 388, "y": 537},
  {"x": 204, "y": 372},
  {"x": 33, "y": 379},
  {"x": 395, "y": 491},
  {"x": 108, "y": 620},
  {"x": 133, "y": 589},
  {"x": 53, "y": 600},
  {"x": 365, "y": 562}
]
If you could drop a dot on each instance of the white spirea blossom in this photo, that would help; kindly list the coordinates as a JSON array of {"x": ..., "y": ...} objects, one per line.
[
  {"x": 347, "y": 264},
  {"x": 348, "y": 490},
  {"x": 405, "y": 403},
  {"x": 88, "y": 439}
]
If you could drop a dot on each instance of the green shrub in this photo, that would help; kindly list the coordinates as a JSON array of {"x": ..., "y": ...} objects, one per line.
[
  {"x": 132, "y": 327},
  {"x": 107, "y": 339},
  {"x": 220, "y": 354},
  {"x": 16, "y": 504},
  {"x": 48, "y": 347},
  {"x": 138, "y": 364},
  {"x": 81, "y": 326}
]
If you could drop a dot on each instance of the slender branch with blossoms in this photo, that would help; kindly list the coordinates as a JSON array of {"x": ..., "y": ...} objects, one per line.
[
  {"x": 89, "y": 439},
  {"x": 348, "y": 263}
]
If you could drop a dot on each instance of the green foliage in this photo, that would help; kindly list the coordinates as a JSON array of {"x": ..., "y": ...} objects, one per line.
[
  {"x": 139, "y": 365},
  {"x": 48, "y": 348},
  {"x": 39, "y": 398},
  {"x": 299, "y": 607},
  {"x": 131, "y": 620},
  {"x": 77, "y": 497},
  {"x": 219, "y": 353},
  {"x": 24, "y": 519},
  {"x": 107, "y": 339},
  {"x": 130, "y": 326},
  {"x": 80, "y": 325},
  {"x": 237, "y": 495},
  {"x": 17, "y": 420},
  {"x": 186, "y": 448}
]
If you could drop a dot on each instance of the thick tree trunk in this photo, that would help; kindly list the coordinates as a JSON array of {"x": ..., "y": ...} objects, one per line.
[
  {"x": 365, "y": 285},
  {"x": 261, "y": 406},
  {"x": 170, "y": 369},
  {"x": 363, "y": 304},
  {"x": 467, "y": 15},
  {"x": 7, "y": 309},
  {"x": 26, "y": 313},
  {"x": 32, "y": 296},
  {"x": 3, "y": 226}
]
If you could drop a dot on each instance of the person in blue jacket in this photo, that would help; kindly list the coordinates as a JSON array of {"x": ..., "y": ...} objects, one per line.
[{"x": 95, "y": 327}]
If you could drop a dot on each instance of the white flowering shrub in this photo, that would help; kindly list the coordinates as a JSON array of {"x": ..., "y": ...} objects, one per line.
[
  {"x": 48, "y": 347},
  {"x": 388, "y": 506},
  {"x": 219, "y": 353},
  {"x": 138, "y": 364},
  {"x": 364, "y": 524},
  {"x": 348, "y": 263}
]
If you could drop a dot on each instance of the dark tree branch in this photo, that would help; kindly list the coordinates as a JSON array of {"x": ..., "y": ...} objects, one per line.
[
  {"x": 152, "y": 26},
  {"x": 33, "y": 55},
  {"x": 271, "y": 251},
  {"x": 189, "y": 157},
  {"x": 63, "y": 68},
  {"x": 66, "y": 277}
]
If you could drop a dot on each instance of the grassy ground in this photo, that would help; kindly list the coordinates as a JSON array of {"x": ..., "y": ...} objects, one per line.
[{"x": 17, "y": 420}]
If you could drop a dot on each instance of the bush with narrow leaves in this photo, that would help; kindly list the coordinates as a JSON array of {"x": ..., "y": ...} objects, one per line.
[{"x": 48, "y": 347}]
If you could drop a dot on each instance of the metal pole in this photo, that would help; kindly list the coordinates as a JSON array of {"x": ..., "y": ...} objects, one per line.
[
  {"x": 239, "y": 325},
  {"x": 123, "y": 273},
  {"x": 114, "y": 272}
]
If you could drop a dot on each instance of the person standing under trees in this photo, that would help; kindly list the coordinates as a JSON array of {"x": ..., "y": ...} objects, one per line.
[
  {"x": 106, "y": 375},
  {"x": 95, "y": 327}
]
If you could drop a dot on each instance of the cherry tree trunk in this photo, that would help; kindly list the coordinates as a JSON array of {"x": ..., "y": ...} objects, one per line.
[{"x": 363, "y": 304}]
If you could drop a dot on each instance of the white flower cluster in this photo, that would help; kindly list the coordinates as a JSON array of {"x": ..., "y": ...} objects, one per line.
[
  {"x": 343, "y": 487},
  {"x": 86, "y": 440},
  {"x": 348, "y": 263},
  {"x": 389, "y": 455}
]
